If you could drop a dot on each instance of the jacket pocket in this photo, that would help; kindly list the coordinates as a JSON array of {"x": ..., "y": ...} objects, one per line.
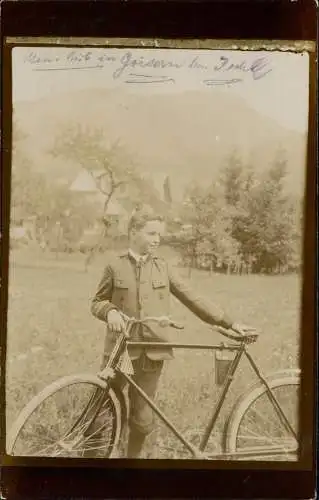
[
  {"x": 158, "y": 284},
  {"x": 120, "y": 292},
  {"x": 161, "y": 294},
  {"x": 120, "y": 283}
]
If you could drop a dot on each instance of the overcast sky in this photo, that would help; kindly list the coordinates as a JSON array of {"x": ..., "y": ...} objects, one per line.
[{"x": 274, "y": 83}]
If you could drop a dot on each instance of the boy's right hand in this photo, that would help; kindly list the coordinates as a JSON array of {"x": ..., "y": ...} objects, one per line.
[{"x": 115, "y": 321}]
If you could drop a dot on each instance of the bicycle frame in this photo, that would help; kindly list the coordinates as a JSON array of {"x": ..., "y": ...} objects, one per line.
[{"x": 241, "y": 350}]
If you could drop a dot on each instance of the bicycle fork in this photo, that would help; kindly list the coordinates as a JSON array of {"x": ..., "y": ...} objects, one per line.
[{"x": 107, "y": 375}]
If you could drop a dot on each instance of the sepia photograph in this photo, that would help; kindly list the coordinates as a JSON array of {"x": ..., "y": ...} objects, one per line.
[{"x": 156, "y": 252}]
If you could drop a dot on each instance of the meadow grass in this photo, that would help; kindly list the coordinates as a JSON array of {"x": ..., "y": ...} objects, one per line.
[{"x": 51, "y": 333}]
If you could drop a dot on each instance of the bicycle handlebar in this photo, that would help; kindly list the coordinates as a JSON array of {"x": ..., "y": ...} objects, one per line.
[{"x": 164, "y": 321}]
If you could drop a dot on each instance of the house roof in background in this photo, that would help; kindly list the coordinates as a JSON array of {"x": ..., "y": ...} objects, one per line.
[{"x": 84, "y": 182}]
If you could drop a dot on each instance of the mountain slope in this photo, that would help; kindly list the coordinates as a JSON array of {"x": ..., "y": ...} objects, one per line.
[{"x": 186, "y": 135}]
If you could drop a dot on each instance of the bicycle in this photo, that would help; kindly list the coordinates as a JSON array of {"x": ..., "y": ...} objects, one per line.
[{"x": 244, "y": 436}]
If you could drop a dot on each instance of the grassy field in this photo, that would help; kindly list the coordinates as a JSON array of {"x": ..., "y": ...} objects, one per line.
[{"x": 51, "y": 333}]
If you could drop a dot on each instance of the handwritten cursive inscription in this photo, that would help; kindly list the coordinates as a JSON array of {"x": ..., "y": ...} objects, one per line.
[
  {"x": 131, "y": 67},
  {"x": 136, "y": 78},
  {"x": 35, "y": 59},
  {"x": 197, "y": 64},
  {"x": 130, "y": 62},
  {"x": 215, "y": 82},
  {"x": 258, "y": 67}
]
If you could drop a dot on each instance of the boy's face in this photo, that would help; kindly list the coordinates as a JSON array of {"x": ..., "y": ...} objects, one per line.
[{"x": 147, "y": 239}]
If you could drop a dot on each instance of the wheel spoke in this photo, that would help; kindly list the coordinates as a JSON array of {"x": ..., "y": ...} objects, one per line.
[
  {"x": 95, "y": 448},
  {"x": 97, "y": 431},
  {"x": 281, "y": 442},
  {"x": 263, "y": 418},
  {"x": 258, "y": 426},
  {"x": 63, "y": 422}
]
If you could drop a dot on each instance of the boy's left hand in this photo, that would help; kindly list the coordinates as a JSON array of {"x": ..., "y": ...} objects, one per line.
[{"x": 243, "y": 329}]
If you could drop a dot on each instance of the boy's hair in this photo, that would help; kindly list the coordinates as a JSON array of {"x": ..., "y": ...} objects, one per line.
[{"x": 141, "y": 217}]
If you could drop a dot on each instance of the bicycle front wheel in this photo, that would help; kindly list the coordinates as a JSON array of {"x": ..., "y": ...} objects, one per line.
[
  {"x": 73, "y": 417},
  {"x": 257, "y": 430}
]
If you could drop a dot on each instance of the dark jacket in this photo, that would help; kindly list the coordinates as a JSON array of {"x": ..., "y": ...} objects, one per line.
[{"x": 145, "y": 291}]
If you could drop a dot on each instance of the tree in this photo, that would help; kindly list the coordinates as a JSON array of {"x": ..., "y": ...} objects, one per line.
[
  {"x": 273, "y": 226},
  {"x": 28, "y": 187},
  {"x": 88, "y": 149},
  {"x": 111, "y": 167},
  {"x": 210, "y": 236},
  {"x": 46, "y": 204},
  {"x": 232, "y": 179},
  {"x": 294, "y": 215},
  {"x": 263, "y": 222},
  {"x": 261, "y": 213}
]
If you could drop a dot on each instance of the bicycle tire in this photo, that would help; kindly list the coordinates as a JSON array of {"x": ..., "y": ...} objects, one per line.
[
  {"x": 241, "y": 408},
  {"x": 52, "y": 389}
]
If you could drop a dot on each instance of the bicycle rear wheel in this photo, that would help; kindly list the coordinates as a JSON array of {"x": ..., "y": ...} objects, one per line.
[
  {"x": 73, "y": 417},
  {"x": 256, "y": 431}
]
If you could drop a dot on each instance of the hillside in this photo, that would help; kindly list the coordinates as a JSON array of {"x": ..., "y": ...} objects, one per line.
[{"x": 186, "y": 135}]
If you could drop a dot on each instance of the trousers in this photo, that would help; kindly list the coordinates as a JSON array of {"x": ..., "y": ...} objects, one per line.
[{"x": 147, "y": 373}]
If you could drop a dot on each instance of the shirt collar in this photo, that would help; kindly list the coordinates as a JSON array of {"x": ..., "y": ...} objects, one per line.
[{"x": 136, "y": 256}]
